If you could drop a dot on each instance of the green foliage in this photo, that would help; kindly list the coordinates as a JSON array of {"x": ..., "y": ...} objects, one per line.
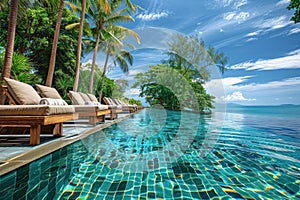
[
  {"x": 34, "y": 38},
  {"x": 84, "y": 79},
  {"x": 3, "y": 4},
  {"x": 21, "y": 68},
  {"x": 177, "y": 83},
  {"x": 189, "y": 55},
  {"x": 133, "y": 101},
  {"x": 119, "y": 89},
  {"x": 169, "y": 88},
  {"x": 4, "y": 14},
  {"x": 295, "y": 4},
  {"x": 107, "y": 88},
  {"x": 64, "y": 84}
]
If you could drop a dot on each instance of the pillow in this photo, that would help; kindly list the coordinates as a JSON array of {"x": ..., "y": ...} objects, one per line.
[
  {"x": 85, "y": 97},
  {"x": 106, "y": 101},
  {"x": 76, "y": 98},
  {"x": 92, "y": 97},
  {"x": 22, "y": 93},
  {"x": 53, "y": 102},
  {"x": 48, "y": 92},
  {"x": 109, "y": 101}
]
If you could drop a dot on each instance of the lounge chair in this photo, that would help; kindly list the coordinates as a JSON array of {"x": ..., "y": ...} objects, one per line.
[
  {"x": 114, "y": 109},
  {"x": 94, "y": 113},
  {"x": 132, "y": 108},
  {"x": 79, "y": 98},
  {"x": 26, "y": 111},
  {"x": 85, "y": 109},
  {"x": 124, "y": 107}
]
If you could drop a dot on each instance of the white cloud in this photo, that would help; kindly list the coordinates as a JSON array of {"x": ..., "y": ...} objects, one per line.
[
  {"x": 283, "y": 2},
  {"x": 218, "y": 87},
  {"x": 294, "y": 31},
  {"x": 291, "y": 61},
  {"x": 239, "y": 4},
  {"x": 236, "y": 4},
  {"x": 251, "y": 39},
  {"x": 269, "y": 85},
  {"x": 152, "y": 16},
  {"x": 267, "y": 25},
  {"x": 226, "y": 2},
  {"x": 253, "y": 34},
  {"x": 231, "y": 81},
  {"x": 294, "y": 52},
  {"x": 229, "y": 16},
  {"x": 274, "y": 23},
  {"x": 242, "y": 16},
  {"x": 132, "y": 91},
  {"x": 237, "y": 86},
  {"x": 238, "y": 17},
  {"x": 237, "y": 97}
]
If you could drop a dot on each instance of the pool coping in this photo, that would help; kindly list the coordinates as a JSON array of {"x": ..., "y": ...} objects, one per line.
[{"x": 41, "y": 150}]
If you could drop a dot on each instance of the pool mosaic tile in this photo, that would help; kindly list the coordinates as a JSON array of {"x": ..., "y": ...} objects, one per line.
[{"x": 124, "y": 164}]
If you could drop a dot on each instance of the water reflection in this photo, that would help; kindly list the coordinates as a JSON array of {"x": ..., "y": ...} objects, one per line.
[{"x": 154, "y": 136}]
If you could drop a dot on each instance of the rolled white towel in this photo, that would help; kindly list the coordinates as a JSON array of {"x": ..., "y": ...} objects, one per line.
[{"x": 53, "y": 102}]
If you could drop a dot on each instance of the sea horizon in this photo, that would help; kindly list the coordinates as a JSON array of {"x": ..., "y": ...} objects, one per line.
[{"x": 282, "y": 110}]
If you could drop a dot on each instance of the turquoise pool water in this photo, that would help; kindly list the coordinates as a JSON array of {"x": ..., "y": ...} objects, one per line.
[{"x": 170, "y": 155}]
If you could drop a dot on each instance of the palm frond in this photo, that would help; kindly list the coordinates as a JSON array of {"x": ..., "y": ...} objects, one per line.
[
  {"x": 70, "y": 26},
  {"x": 73, "y": 6},
  {"x": 119, "y": 18},
  {"x": 115, "y": 39},
  {"x": 104, "y": 6},
  {"x": 127, "y": 56},
  {"x": 130, "y": 32},
  {"x": 119, "y": 60}
]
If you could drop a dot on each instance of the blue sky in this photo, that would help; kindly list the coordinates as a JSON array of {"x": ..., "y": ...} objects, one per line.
[{"x": 262, "y": 44}]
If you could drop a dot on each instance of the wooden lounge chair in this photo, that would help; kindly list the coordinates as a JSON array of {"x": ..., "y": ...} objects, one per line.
[
  {"x": 28, "y": 114},
  {"x": 37, "y": 117},
  {"x": 85, "y": 108},
  {"x": 114, "y": 110},
  {"x": 131, "y": 108},
  {"x": 123, "y": 106},
  {"x": 93, "y": 113}
]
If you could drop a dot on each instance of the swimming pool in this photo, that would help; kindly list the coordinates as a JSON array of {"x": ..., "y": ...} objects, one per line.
[{"x": 169, "y": 155}]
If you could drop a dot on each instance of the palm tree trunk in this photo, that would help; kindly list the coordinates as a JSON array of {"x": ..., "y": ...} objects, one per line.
[
  {"x": 77, "y": 71},
  {"x": 54, "y": 45},
  {"x": 10, "y": 44},
  {"x": 104, "y": 72},
  {"x": 94, "y": 61},
  {"x": 10, "y": 38}
]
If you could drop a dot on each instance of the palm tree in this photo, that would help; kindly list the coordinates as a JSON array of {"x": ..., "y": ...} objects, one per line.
[
  {"x": 54, "y": 44},
  {"x": 101, "y": 14},
  {"x": 10, "y": 38},
  {"x": 113, "y": 44},
  {"x": 10, "y": 43},
  {"x": 77, "y": 71},
  {"x": 75, "y": 4}
]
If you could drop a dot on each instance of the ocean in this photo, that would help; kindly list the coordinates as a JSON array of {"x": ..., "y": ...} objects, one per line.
[{"x": 279, "y": 111}]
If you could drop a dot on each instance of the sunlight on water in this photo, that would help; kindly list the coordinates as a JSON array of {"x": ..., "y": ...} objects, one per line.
[{"x": 251, "y": 157}]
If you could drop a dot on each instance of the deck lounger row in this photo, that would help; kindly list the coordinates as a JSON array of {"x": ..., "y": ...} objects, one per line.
[
  {"x": 125, "y": 106},
  {"x": 83, "y": 100},
  {"x": 94, "y": 113},
  {"x": 46, "y": 108}
]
